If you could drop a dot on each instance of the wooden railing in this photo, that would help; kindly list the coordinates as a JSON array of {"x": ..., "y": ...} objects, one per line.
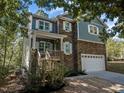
[
  {"x": 54, "y": 55},
  {"x": 49, "y": 72}
]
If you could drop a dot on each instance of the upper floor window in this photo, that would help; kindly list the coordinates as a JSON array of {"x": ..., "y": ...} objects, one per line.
[
  {"x": 44, "y": 25},
  {"x": 67, "y": 26},
  {"x": 47, "y": 26},
  {"x": 92, "y": 29},
  {"x": 41, "y": 25}
]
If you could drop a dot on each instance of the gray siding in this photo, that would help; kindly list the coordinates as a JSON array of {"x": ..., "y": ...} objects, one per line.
[
  {"x": 83, "y": 30},
  {"x": 54, "y": 25}
]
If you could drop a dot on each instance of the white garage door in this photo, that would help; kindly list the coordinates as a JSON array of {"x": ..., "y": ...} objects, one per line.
[{"x": 91, "y": 63}]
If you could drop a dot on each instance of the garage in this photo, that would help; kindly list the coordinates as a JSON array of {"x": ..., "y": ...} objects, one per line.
[{"x": 91, "y": 63}]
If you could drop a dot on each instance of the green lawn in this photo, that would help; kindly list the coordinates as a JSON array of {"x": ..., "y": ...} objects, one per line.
[{"x": 116, "y": 66}]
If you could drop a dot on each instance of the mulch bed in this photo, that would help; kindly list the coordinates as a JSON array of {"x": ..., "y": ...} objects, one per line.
[{"x": 12, "y": 84}]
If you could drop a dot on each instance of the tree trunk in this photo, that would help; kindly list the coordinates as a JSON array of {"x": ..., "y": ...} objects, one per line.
[
  {"x": 74, "y": 48},
  {"x": 33, "y": 66},
  {"x": 12, "y": 52},
  {"x": 5, "y": 50}
]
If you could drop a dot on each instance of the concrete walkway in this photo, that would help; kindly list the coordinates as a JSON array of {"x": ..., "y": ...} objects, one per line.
[{"x": 114, "y": 77}]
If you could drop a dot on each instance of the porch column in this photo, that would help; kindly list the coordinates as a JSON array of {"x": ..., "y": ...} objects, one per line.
[
  {"x": 61, "y": 43},
  {"x": 34, "y": 41}
]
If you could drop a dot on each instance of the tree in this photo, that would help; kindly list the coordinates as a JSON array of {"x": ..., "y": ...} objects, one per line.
[
  {"x": 114, "y": 49},
  {"x": 13, "y": 14},
  {"x": 89, "y": 9}
]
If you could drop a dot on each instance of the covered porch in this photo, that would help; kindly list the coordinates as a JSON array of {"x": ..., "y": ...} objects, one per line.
[{"x": 46, "y": 42}]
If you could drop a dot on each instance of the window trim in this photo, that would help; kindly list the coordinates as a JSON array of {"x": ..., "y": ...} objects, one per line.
[
  {"x": 70, "y": 48},
  {"x": 45, "y": 44},
  {"x": 93, "y": 26},
  {"x": 70, "y": 26},
  {"x": 38, "y": 24}
]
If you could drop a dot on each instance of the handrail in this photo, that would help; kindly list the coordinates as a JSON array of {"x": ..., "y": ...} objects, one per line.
[{"x": 54, "y": 55}]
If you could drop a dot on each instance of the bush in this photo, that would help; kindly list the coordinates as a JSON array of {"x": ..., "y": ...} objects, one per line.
[
  {"x": 55, "y": 75},
  {"x": 71, "y": 73},
  {"x": 4, "y": 71},
  {"x": 49, "y": 76}
]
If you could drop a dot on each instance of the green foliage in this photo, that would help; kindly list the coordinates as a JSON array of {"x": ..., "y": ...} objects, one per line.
[
  {"x": 55, "y": 76},
  {"x": 49, "y": 74},
  {"x": 103, "y": 35},
  {"x": 114, "y": 49},
  {"x": 13, "y": 13},
  {"x": 71, "y": 72},
  {"x": 42, "y": 13},
  {"x": 53, "y": 73},
  {"x": 89, "y": 9},
  {"x": 119, "y": 27},
  {"x": 3, "y": 73},
  {"x": 13, "y": 58}
]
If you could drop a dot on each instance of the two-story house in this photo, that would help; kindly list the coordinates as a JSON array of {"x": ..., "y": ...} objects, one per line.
[{"x": 75, "y": 43}]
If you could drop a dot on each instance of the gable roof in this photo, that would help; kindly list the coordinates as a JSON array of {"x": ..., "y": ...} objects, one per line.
[{"x": 65, "y": 16}]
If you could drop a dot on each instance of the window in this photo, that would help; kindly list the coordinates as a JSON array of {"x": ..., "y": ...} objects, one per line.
[
  {"x": 41, "y": 25},
  {"x": 67, "y": 26},
  {"x": 43, "y": 46},
  {"x": 47, "y": 26},
  {"x": 67, "y": 48},
  {"x": 92, "y": 29},
  {"x": 44, "y": 25},
  {"x": 49, "y": 46}
]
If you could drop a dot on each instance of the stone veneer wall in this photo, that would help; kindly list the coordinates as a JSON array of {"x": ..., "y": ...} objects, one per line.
[{"x": 85, "y": 47}]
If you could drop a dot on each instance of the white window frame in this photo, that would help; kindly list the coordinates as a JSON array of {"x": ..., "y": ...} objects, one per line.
[
  {"x": 70, "y": 46},
  {"x": 38, "y": 24},
  {"x": 45, "y": 44},
  {"x": 70, "y": 26},
  {"x": 51, "y": 46},
  {"x": 91, "y": 32}
]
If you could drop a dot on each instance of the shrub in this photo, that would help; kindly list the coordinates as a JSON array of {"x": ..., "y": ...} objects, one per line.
[
  {"x": 3, "y": 72},
  {"x": 49, "y": 76},
  {"x": 71, "y": 73}
]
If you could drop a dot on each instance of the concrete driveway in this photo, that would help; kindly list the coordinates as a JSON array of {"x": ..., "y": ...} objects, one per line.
[
  {"x": 114, "y": 77},
  {"x": 90, "y": 84}
]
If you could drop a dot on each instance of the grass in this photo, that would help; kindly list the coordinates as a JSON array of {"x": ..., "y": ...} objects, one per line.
[{"x": 116, "y": 66}]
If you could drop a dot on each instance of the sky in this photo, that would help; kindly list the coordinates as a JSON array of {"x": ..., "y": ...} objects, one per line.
[{"x": 33, "y": 8}]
